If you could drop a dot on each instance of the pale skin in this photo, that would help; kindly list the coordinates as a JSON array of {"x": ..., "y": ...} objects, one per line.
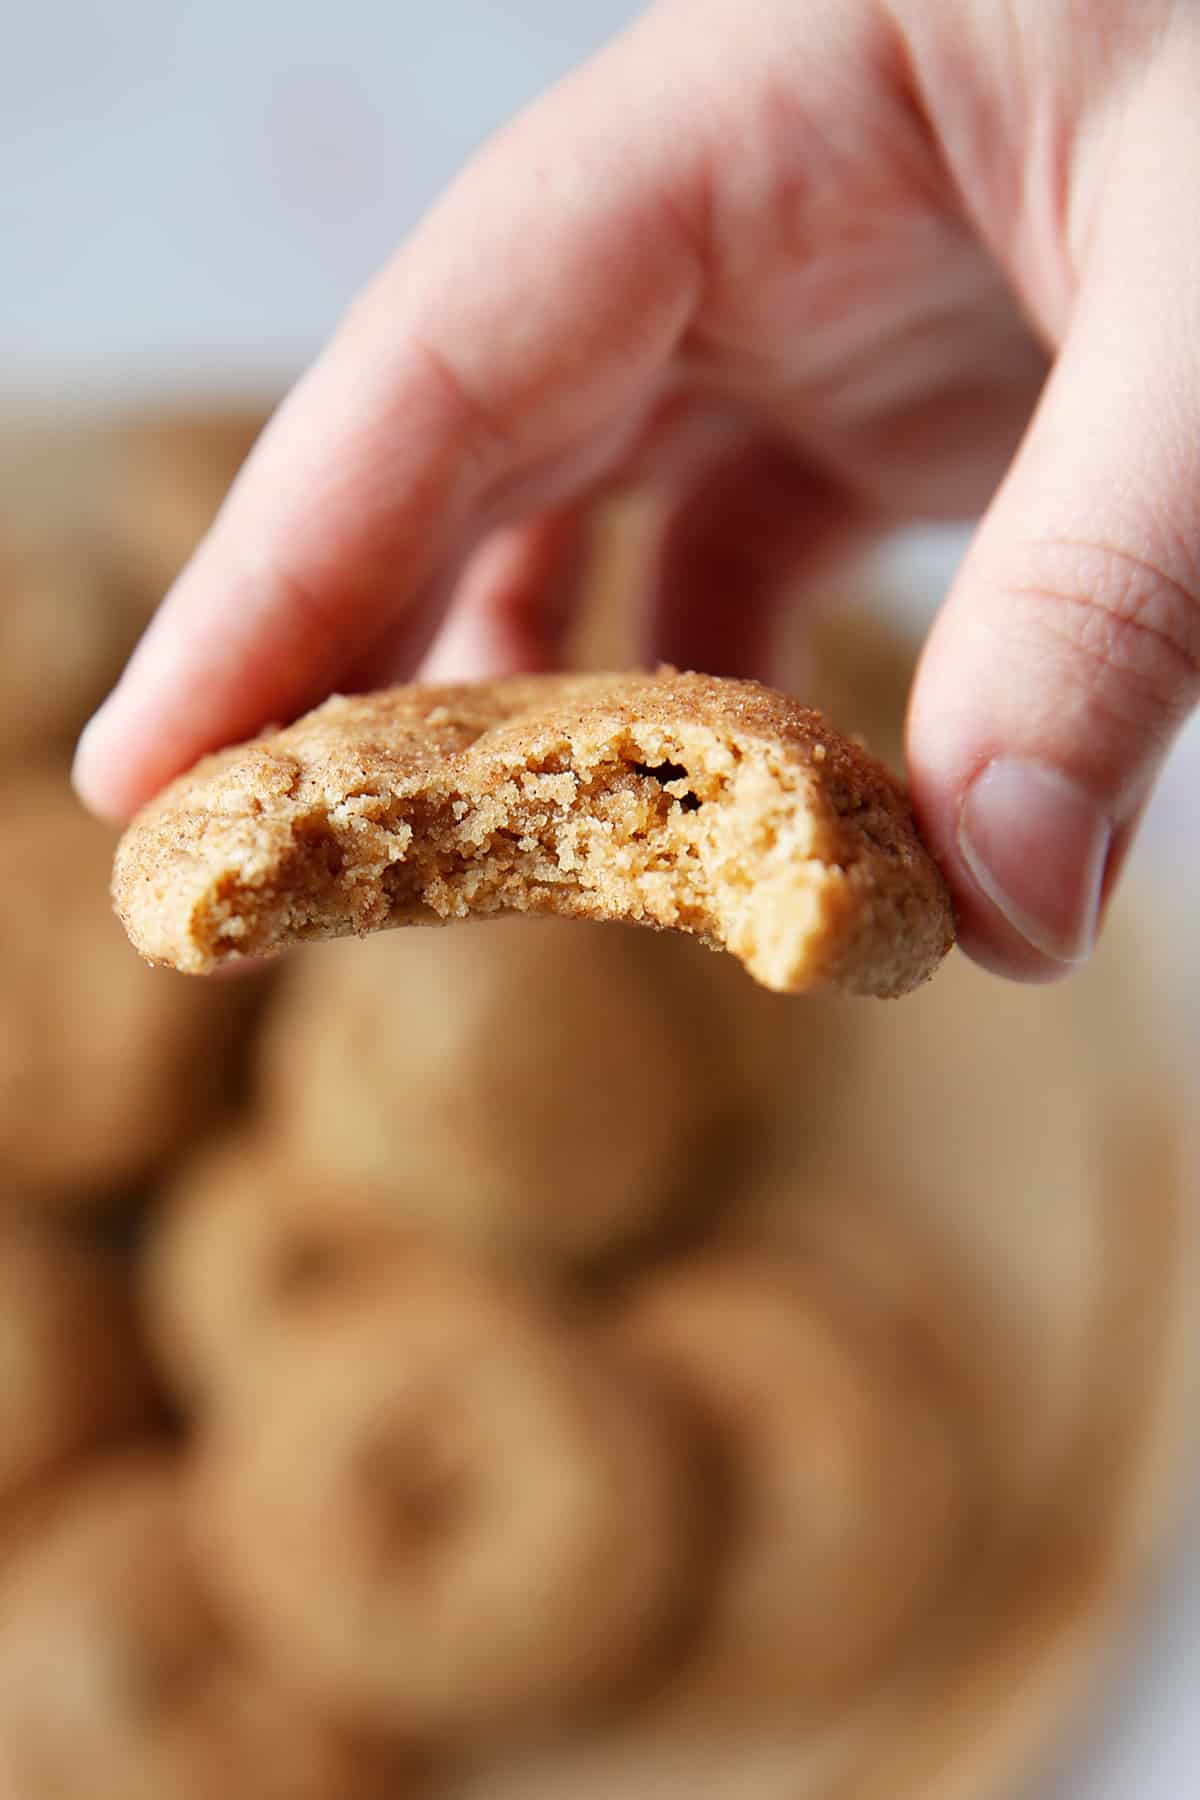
[{"x": 800, "y": 267}]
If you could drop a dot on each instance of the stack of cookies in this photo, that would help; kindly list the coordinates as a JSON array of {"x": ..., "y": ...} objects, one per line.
[{"x": 531, "y": 1358}]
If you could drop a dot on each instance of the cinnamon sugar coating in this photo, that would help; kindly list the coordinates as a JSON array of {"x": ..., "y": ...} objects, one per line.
[{"x": 685, "y": 802}]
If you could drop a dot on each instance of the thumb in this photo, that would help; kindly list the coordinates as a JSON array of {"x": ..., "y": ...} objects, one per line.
[{"x": 1068, "y": 653}]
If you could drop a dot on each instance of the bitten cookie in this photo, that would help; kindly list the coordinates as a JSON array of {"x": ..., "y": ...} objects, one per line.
[{"x": 682, "y": 801}]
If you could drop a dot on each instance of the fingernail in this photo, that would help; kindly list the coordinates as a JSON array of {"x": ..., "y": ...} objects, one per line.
[
  {"x": 1037, "y": 845},
  {"x": 79, "y": 762},
  {"x": 87, "y": 738},
  {"x": 83, "y": 768}
]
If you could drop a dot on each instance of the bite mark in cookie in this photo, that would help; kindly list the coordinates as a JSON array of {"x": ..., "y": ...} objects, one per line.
[{"x": 685, "y": 802}]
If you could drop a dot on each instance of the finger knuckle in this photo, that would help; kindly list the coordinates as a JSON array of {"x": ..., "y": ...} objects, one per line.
[
  {"x": 484, "y": 423},
  {"x": 1129, "y": 618}
]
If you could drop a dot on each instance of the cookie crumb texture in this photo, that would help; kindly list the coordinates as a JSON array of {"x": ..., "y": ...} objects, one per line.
[{"x": 685, "y": 802}]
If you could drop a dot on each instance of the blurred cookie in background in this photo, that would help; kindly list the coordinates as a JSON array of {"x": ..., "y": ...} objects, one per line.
[
  {"x": 66, "y": 627},
  {"x": 1045, "y": 1307},
  {"x": 67, "y": 622},
  {"x": 447, "y": 1509},
  {"x": 858, "y": 666},
  {"x": 837, "y": 1432},
  {"x": 107, "y": 1068},
  {"x": 991, "y": 1116},
  {"x": 606, "y": 631},
  {"x": 548, "y": 1089},
  {"x": 73, "y": 1373},
  {"x": 96, "y": 519},
  {"x": 242, "y": 1238},
  {"x": 120, "y": 1679}
]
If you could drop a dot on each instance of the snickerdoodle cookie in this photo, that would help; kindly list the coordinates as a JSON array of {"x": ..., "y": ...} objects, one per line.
[{"x": 715, "y": 807}]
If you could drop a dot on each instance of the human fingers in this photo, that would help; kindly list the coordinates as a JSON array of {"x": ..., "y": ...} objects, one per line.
[
  {"x": 506, "y": 355},
  {"x": 734, "y": 538},
  {"x": 512, "y": 607},
  {"x": 1069, "y": 652}
]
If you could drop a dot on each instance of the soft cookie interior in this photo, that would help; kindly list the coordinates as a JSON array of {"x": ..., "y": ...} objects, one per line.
[{"x": 795, "y": 853}]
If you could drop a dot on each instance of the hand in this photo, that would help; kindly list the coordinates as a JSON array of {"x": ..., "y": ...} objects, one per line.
[{"x": 787, "y": 264}]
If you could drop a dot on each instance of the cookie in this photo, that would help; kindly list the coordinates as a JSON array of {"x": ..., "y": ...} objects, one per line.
[
  {"x": 120, "y": 1681},
  {"x": 106, "y": 1067},
  {"x": 95, "y": 522},
  {"x": 66, "y": 627},
  {"x": 845, "y": 1493},
  {"x": 74, "y": 1373},
  {"x": 242, "y": 1238},
  {"x": 445, "y": 1510},
  {"x": 713, "y": 807},
  {"x": 538, "y": 1089},
  {"x": 68, "y": 617}
]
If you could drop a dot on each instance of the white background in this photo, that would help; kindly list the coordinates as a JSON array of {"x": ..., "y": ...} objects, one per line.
[{"x": 193, "y": 192}]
